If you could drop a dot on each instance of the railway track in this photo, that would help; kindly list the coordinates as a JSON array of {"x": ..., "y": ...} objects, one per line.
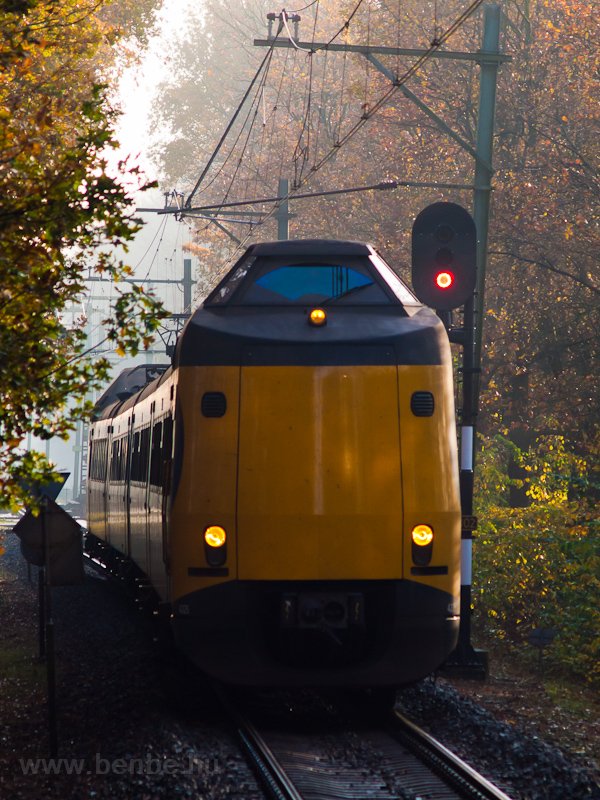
[{"x": 395, "y": 760}]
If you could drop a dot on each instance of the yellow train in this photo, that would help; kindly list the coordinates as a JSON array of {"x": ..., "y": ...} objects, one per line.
[{"x": 289, "y": 484}]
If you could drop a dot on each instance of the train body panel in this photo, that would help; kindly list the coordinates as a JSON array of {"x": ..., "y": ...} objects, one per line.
[
  {"x": 315, "y": 451},
  {"x": 337, "y": 428},
  {"x": 205, "y": 476},
  {"x": 430, "y": 482}
]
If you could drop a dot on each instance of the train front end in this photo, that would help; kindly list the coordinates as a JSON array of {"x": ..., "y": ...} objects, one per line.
[{"x": 315, "y": 522}]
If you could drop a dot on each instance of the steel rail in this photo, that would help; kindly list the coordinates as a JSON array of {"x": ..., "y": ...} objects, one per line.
[
  {"x": 446, "y": 764},
  {"x": 271, "y": 774}
]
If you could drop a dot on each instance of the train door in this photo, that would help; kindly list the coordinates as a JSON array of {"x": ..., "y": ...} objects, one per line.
[
  {"x": 161, "y": 436},
  {"x": 138, "y": 506},
  {"x": 127, "y": 489},
  {"x": 166, "y": 478}
]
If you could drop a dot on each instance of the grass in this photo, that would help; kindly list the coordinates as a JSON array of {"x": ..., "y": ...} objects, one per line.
[
  {"x": 573, "y": 699},
  {"x": 20, "y": 663}
]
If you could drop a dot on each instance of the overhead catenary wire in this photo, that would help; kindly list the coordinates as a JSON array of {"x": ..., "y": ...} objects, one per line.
[
  {"x": 210, "y": 161},
  {"x": 252, "y": 115},
  {"x": 308, "y": 5},
  {"x": 161, "y": 233},
  {"x": 367, "y": 114},
  {"x": 302, "y": 148},
  {"x": 284, "y": 19}
]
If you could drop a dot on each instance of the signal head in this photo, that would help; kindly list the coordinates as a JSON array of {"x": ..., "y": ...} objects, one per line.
[{"x": 444, "y": 244}]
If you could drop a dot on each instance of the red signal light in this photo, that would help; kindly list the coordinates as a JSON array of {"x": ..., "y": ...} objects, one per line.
[
  {"x": 444, "y": 240},
  {"x": 444, "y": 280}
]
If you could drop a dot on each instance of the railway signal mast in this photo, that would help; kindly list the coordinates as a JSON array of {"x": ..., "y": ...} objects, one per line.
[{"x": 444, "y": 276}]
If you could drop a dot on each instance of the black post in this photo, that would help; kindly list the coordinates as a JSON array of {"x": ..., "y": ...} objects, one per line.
[
  {"x": 51, "y": 679},
  {"x": 42, "y": 612},
  {"x": 49, "y": 638},
  {"x": 283, "y": 214},
  {"x": 467, "y": 432},
  {"x": 466, "y": 661}
]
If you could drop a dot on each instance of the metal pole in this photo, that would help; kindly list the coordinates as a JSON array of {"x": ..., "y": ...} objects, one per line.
[
  {"x": 465, "y": 657},
  {"x": 483, "y": 171},
  {"x": 77, "y": 461},
  {"x": 283, "y": 217},
  {"x": 187, "y": 285}
]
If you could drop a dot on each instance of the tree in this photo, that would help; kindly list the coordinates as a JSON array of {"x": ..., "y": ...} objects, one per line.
[
  {"x": 62, "y": 214},
  {"x": 541, "y": 324}
]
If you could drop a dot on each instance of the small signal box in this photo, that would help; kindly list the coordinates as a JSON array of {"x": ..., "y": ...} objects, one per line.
[{"x": 444, "y": 242}]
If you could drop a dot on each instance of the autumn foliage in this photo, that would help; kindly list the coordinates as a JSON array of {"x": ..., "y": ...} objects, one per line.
[{"x": 62, "y": 215}]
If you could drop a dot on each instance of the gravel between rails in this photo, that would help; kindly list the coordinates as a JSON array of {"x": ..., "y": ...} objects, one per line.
[{"x": 117, "y": 719}]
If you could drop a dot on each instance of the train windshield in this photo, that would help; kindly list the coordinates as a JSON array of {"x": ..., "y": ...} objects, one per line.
[{"x": 299, "y": 284}]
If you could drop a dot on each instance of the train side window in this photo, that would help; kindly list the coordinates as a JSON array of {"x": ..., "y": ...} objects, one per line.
[
  {"x": 144, "y": 454},
  {"x": 114, "y": 460},
  {"x": 135, "y": 458},
  {"x": 167, "y": 447},
  {"x": 98, "y": 460},
  {"x": 156, "y": 458},
  {"x": 123, "y": 463},
  {"x": 118, "y": 464}
]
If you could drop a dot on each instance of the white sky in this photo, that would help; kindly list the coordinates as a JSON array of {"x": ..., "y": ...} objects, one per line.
[
  {"x": 156, "y": 245},
  {"x": 136, "y": 90}
]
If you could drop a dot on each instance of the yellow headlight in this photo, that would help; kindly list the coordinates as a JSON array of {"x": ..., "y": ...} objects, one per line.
[
  {"x": 422, "y": 535},
  {"x": 215, "y": 536},
  {"x": 318, "y": 317}
]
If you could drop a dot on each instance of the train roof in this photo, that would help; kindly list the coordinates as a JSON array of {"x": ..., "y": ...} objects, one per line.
[
  {"x": 310, "y": 247},
  {"x": 128, "y": 383}
]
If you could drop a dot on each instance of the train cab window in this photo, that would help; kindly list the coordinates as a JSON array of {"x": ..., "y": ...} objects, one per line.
[
  {"x": 226, "y": 289},
  {"x": 307, "y": 272},
  {"x": 313, "y": 283}
]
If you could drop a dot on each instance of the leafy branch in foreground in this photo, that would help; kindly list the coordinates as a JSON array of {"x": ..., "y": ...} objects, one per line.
[{"x": 63, "y": 215}]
